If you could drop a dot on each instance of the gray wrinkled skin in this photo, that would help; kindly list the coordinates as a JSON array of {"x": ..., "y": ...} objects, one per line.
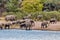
[
  {"x": 10, "y": 17},
  {"x": 7, "y": 25},
  {"x": 44, "y": 24},
  {"x": 27, "y": 23}
]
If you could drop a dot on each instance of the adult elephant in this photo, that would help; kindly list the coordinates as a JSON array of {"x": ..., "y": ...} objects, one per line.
[
  {"x": 27, "y": 23},
  {"x": 14, "y": 22},
  {"x": 27, "y": 17},
  {"x": 39, "y": 17},
  {"x": 53, "y": 20},
  {"x": 10, "y": 18},
  {"x": 7, "y": 25}
]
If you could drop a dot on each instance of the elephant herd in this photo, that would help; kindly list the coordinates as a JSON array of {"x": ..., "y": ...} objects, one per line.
[
  {"x": 11, "y": 20},
  {"x": 26, "y": 23},
  {"x": 22, "y": 23}
]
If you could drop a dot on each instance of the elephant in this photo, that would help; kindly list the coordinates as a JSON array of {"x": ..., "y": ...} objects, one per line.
[
  {"x": 10, "y": 18},
  {"x": 53, "y": 20},
  {"x": 7, "y": 25},
  {"x": 20, "y": 21},
  {"x": 27, "y": 17},
  {"x": 27, "y": 23},
  {"x": 39, "y": 17},
  {"x": 44, "y": 24},
  {"x": 14, "y": 22},
  {"x": 32, "y": 22}
]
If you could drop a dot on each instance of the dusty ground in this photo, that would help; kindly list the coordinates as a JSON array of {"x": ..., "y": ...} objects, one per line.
[
  {"x": 37, "y": 26},
  {"x": 50, "y": 27}
]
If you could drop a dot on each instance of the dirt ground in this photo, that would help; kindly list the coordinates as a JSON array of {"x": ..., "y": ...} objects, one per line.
[{"x": 53, "y": 27}]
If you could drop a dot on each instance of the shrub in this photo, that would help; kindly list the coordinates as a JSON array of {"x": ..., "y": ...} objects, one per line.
[{"x": 46, "y": 15}]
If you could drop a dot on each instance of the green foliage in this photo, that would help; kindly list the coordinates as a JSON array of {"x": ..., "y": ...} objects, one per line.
[
  {"x": 52, "y": 1},
  {"x": 12, "y": 5},
  {"x": 46, "y": 15},
  {"x": 31, "y": 6}
]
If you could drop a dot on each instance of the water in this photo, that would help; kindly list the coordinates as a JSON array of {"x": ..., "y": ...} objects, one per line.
[{"x": 29, "y": 35}]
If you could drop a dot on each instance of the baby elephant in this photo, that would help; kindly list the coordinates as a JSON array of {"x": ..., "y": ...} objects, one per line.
[
  {"x": 10, "y": 18},
  {"x": 44, "y": 24}
]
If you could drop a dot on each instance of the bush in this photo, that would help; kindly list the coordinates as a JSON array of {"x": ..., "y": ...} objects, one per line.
[{"x": 46, "y": 15}]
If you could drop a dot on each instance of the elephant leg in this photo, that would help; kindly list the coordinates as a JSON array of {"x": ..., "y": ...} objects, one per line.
[
  {"x": 29, "y": 28},
  {"x": 7, "y": 26},
  {"x": 1, "y": 28},
  {"x": 45, "y": 26},
  {"x": 26, "y": 28},
  {"x": 42, "y": 26}
]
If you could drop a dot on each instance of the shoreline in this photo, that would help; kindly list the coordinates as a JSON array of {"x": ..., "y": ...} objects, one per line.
[
  {"x": 32, "y": 29},
  {"x": 51, "y": 27}
]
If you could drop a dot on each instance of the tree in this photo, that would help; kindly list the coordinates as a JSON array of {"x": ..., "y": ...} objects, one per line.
[
  {"x": 32, "y": 5},
  {"x": 2, "y": 6},
  {"x": 12, "y": 5}
]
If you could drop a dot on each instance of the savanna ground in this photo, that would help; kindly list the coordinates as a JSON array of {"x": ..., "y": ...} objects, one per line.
[{"x": 53, "y": 27}]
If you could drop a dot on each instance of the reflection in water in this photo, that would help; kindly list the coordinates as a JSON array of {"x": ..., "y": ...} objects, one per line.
[{"x": 29, "y": 35}]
